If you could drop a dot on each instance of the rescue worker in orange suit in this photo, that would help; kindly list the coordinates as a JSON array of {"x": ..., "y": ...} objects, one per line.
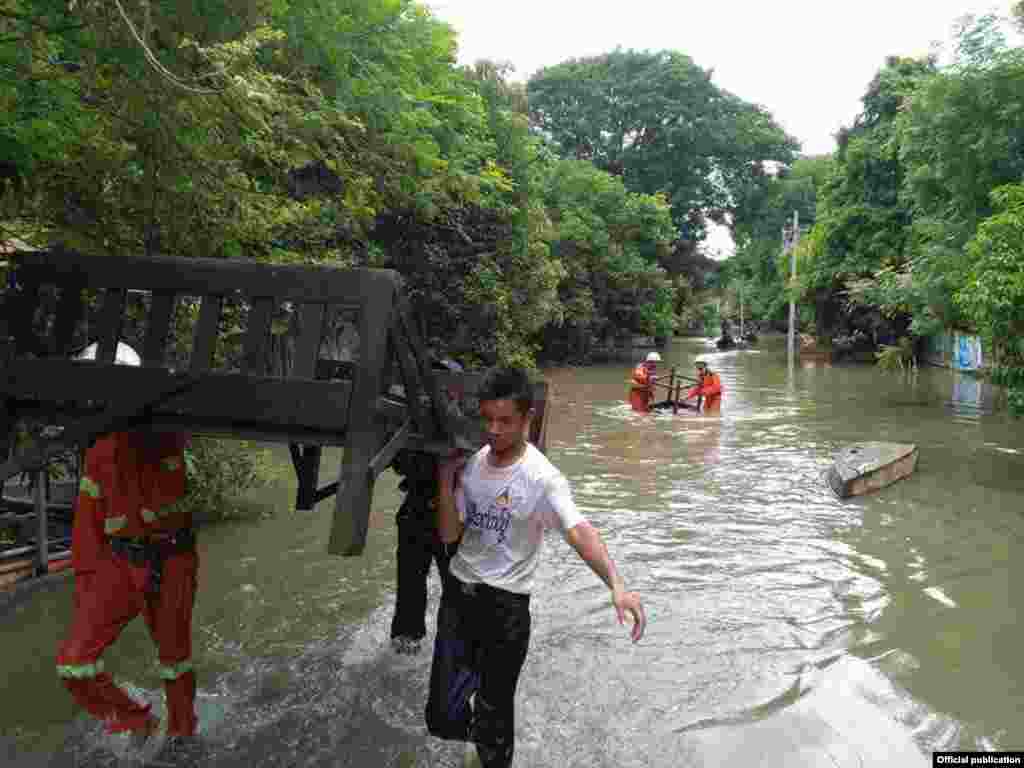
[
  {"x": 709, "y": 387},
  {"x": 641, "y": 387},
  {"x": 132, "y": 551}
]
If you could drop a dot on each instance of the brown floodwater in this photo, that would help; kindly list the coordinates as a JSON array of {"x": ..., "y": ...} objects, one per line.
[{"x": 786, "y": 627}]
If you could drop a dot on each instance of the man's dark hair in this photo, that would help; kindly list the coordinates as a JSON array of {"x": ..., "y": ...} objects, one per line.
[{"x": 507, "y": 384}]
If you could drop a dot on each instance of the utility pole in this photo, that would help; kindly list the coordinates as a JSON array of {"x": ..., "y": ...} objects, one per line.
[
  {"x": 790, "y": 243},
  {"x": 741, "y": 310}
]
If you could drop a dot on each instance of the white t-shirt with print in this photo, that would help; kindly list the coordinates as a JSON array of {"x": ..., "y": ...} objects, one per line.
[{"x": 506, "y": 511}]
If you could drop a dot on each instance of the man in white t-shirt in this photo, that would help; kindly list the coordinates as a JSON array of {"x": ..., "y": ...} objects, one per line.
[{"x": 508, "y": 493}]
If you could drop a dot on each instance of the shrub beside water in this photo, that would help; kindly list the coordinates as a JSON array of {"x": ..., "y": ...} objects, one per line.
[{"x": 221, "y": 471}]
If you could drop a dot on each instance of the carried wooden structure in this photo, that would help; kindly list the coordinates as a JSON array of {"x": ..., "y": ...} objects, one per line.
[
  {"x": 673, "y": 392},
  {"x": 385, "y": 398},
  {"x": 866, "y": 467}
]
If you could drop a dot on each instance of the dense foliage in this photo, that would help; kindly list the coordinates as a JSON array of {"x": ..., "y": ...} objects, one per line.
[
  {"x": 342, "y": 131},
  {"x": 916, "y": 215}
]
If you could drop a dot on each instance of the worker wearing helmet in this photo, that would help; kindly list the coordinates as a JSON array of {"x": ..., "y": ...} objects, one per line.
[
  {"x": 641, "y": 387},
  {"x": 133, "y": 551},
  {"x": 709, "y": 387}
]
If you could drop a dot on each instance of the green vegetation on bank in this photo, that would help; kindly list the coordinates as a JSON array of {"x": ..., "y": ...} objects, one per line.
[{"x": 916, "y": 217}]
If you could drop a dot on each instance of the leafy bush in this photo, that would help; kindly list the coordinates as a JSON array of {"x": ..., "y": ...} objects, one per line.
[
  {"x": 896, "y": 357},
  {"x": 993, "y": 294},
  {"x": 219, "y": 471},
  {"x": 712, "y": 319}
]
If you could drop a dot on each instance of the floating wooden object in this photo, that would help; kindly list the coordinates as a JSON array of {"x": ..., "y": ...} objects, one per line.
[{"x": 865, "y": 467}]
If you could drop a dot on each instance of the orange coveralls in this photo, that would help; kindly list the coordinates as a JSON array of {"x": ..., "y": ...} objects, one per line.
[
  {"x": 129, "y": 496},
  {"x": 710, "y": 388},
  {"x": 641, "y": 388}
]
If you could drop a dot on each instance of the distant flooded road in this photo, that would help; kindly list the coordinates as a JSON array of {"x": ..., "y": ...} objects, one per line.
[{"x": 787, "y": 628}]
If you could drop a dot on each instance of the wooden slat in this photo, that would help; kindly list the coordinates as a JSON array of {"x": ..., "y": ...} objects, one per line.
[
  {"x": 415, "y": 338},
  {"x": 127, "y": 405},
  {"x": 257, "y": 335},
  {"x": 307, "y": 348},
  {"x": 200, "y": 276},
  {"x": 158, "y": 325},
  {"x": 211, "y": 427},
  {"x": 385, "y": 455},
  {"x": 69, "y": 312},
  {"x": 204, "y": 339},
  {"x": 20, "y": 316},
  {"x": 264, "y": 400},
  {"x": 352, "y": 506},
  {"x": 415, "y": 385},
  {"x": 111, "y": 321},
  {"x": 539, "y": 424},
  {"x": 221, "y": 428}
]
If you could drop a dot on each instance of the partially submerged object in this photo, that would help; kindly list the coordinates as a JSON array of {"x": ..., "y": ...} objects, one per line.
[{"x": 865, "y": 467}]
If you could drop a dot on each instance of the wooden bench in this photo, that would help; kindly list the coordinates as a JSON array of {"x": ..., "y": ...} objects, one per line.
[{"x": 384, "y": 399}]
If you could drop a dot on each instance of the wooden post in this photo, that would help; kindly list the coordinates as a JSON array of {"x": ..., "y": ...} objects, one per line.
[
  {"x": 741, "y": 310},
  {"x": 791, "y": 245},
  {"x": 42, "y": 542},
  {"x": 355, "y": 481}
]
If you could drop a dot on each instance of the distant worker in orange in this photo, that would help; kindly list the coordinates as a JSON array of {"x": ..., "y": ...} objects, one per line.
[
  {"x": 709, "y": 386},
  {"x": 641, "y": 387}
]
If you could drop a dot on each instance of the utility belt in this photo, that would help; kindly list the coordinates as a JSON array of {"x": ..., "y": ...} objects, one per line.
[{"x": 151, "y": 552}]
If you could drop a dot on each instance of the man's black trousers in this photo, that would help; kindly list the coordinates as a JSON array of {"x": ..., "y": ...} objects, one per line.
[{"x": 483, "y": 634}]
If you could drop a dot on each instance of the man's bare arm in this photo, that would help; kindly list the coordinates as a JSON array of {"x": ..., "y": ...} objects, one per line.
[{"x": 587, "y": 542}]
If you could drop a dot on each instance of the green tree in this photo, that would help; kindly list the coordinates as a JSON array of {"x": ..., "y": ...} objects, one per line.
[
  {"x": 862, "y": 225},
  {"x": 757, "y": 231},
  {"x": 608, "y": 240},
  {"x": 992, "y": 295},
  {"x": 658, "y": 121}
]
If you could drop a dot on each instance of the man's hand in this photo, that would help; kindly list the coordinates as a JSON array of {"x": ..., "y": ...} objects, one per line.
[
  {"x": 629, "y": 602},
  {"x": 448, "y": 524}
]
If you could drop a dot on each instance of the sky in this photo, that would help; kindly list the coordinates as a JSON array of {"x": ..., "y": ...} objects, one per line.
[{"x": 807, "y": 62}]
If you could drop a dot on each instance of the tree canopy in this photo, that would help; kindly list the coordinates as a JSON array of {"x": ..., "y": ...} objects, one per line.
[
  {"x": 657, "y": 120},
  {"x": 915, "y": 214}
]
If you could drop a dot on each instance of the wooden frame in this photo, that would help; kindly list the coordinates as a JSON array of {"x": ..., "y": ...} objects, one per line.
[{"x": 388, "y": 400}]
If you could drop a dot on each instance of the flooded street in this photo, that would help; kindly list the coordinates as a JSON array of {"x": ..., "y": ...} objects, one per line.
[{"x": 786, "y": 627}]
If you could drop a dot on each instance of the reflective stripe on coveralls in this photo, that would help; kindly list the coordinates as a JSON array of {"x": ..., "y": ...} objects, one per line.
[
  {"x": 89, "y": 487},
  {"x": 114, "y": 524},
  {"x": 174, "y": 671},
  {"x": 80, "y": 671},
  {"x": 173, "y": 507}
]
